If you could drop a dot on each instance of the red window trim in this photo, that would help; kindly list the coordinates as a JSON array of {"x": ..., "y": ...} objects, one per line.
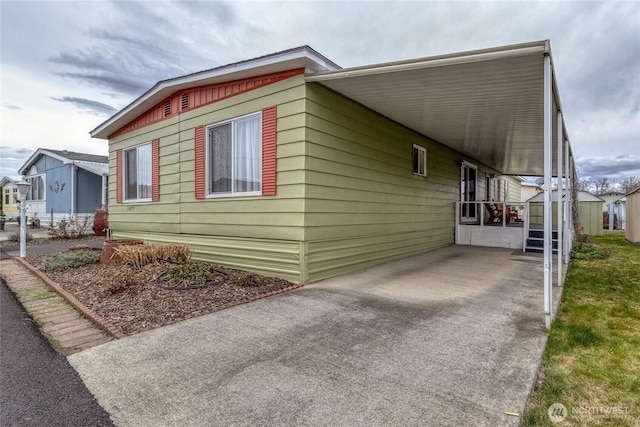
[
  {"x": 119, "y": 176},
  {"x": 269, "y": 156},
  {"x": 199, "y": 162},
  {"x": 155, "y": 172}
]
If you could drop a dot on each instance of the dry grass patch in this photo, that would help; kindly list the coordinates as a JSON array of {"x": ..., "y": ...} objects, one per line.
[{"x": 140, "y": 255}]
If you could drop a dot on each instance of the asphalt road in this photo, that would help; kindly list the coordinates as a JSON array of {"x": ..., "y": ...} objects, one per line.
[{"x": 38, "y": 387}]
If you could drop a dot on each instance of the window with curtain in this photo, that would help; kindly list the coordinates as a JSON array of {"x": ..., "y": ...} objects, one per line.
[
  {"x": 137, "y": 172},
  {"x": 234, "y": 157}
]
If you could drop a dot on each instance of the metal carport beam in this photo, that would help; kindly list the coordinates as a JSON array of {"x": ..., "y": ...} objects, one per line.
[
  {"x": 568, "y": 203},
  {"x": 561, "y": 196},
  {"x": 548, "y": 250}
]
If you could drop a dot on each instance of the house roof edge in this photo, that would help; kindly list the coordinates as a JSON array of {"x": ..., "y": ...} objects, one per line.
[{"x": 299, "y": 57}]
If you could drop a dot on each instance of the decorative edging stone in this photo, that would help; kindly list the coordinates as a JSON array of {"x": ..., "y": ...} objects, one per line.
[
  {"x": 231, "y": 304},
  {"x": 95, "y": 318}
]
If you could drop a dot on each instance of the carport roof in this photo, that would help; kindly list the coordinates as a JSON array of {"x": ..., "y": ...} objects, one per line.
[{"x": 487, "y": 104}]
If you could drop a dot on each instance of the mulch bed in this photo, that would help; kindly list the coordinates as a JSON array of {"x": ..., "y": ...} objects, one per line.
[{"x": 130, "y": 299}]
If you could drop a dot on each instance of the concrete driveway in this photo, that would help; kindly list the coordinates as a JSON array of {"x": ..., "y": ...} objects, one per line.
[{"x": 452, "y": 337}]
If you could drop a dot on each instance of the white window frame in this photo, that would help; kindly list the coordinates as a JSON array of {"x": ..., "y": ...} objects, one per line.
[
  {"x": 470, "y": 207},
  {"x": 232, "y": 193},
  {"x": 422, "y": 152},
  {"x": 34, "y": 178},
  {"x": 125, "y": 197}
]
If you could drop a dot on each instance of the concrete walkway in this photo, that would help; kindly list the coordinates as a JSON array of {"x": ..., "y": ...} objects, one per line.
[
  {"x": 68, "y": 330},
  {"x": 452, "y": 337},
  {"x": 12, "y": 228}
]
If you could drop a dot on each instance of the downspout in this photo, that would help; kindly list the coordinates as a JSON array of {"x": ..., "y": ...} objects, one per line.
[{"x": 547, "y": 130}]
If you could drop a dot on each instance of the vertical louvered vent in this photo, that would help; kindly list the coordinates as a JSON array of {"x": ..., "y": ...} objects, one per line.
[
  {"x": 185, "y": 101},
  {"x": 167, "y": 108}
]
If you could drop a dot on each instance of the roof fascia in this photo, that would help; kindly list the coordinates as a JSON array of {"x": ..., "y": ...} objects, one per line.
[
  {"x": 40, "y": 152},
  {"x": 633, "y": 190},
  {"x": 299, "y": 57},
  {"x": 6, "y": 180},
  {"x": 86, "y": 168},
  {"x": 556, "y": 93},
  {"x": 434, "y": 61}
]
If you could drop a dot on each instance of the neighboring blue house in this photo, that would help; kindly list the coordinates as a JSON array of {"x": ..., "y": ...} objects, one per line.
[{"x": 65, "y": 183}]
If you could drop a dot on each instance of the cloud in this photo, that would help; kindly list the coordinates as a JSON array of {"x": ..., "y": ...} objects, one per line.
[
  {"x": 122, "y": 84},
  {"x": 616, "y": 167},
  {"x": 125, "y": 72},
  {"x": 11, "y": 106},
  {"x": 89, "y": 106},
  {"x": 11, "y": 159}
]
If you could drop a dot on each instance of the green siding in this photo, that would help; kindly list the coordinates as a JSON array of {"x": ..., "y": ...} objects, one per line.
[
  {"x": 363, "y": 204},
  {"x": 269, "y": 257},
  {"x": 252, "y": 223},
  {"x": 346, "y": 195}
]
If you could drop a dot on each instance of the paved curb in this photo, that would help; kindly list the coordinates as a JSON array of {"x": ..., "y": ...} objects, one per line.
[
  {"x": 99, "y": 321},
  {"x": 111, "y": 329},
  {"x": 68, "y": 328}
]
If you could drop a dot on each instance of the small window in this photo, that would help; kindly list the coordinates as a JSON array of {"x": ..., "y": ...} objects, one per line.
[
  {"x": 167, "y": 108},
  {"x": 137, "y": 173},
  {"x": 234, "y": 157},
  {"x": 419, "y": 160}
]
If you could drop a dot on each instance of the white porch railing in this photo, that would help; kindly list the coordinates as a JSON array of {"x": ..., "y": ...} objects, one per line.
[{"x": 494, "y": 224}]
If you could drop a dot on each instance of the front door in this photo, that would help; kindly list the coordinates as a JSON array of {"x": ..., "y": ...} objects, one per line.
[{"x": 468, "y": 187}]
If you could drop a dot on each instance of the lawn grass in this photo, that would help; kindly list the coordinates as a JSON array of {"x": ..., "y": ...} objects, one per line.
[{"x": 591, "y": 363}]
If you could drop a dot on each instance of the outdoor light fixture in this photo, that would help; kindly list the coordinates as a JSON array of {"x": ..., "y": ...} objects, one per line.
[{"x": 23, "y": 187}]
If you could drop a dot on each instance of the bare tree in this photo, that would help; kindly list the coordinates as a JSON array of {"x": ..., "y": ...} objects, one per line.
[
  {"x": 629, "y": 183},
  {"x": 602, "y": 185},
  {"x": 584, "y": 184}
]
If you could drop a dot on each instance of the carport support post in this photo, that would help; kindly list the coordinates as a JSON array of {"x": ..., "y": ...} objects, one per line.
[
  {"x": 568, "y": 238},
  {"x": 561, "y": 197},
  {"x": 547, "y": 131}
]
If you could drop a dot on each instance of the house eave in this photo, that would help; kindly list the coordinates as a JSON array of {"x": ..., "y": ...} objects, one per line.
[
  {"x": 24, "y": 169},
  {"x": 297, "y": 58}
]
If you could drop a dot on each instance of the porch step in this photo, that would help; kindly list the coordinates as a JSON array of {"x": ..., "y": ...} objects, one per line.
[
  {"x": 538, "y": 250},
  {"x": 539, "y": 234},
  {"x": 535, "y": 241}
]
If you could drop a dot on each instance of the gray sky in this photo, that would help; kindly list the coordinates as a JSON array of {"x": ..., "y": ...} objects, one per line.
[{"x": 68, "y": 66}]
